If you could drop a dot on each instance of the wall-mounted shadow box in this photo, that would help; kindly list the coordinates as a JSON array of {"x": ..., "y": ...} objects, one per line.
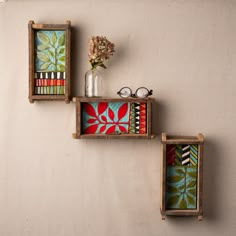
[
  {"x": 49, "y": 61},
  {"x": 113, "y": 118},
  {"x": 181, "y": 175}
]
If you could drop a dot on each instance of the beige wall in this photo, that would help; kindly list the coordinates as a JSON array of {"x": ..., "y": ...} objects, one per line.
[{"x": 53, "y": 185}]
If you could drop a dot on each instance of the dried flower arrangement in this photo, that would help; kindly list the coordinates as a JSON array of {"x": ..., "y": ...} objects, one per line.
[{"x": 100, "y": 50}]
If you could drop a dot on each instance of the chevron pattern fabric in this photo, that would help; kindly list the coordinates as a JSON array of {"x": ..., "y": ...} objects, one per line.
[
  {"x": 178, "y": 154},
  {"x": 193, "y": 154},
  {"x": 185, "y": 155}
]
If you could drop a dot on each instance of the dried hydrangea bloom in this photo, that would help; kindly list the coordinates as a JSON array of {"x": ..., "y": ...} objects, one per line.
[{"x": 100, "y": 50}]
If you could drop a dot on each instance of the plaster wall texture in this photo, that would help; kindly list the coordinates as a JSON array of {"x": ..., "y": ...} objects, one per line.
[{"x": 53, "y": 185}]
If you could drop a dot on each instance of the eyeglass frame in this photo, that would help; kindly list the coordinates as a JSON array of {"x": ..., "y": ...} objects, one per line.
[{"x": 134, "y": 95}]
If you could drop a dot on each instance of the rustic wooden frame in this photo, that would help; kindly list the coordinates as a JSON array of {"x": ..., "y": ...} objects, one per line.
[
  {"x": 79, "y": 135},
  {"x": 171, "y": 139},
  {"x": 32, "y": 27}
]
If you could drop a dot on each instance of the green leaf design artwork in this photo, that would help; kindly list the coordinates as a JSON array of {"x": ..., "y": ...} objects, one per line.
[
  {"x": 53, "y": 38},
  {"x": 50, "y": 50},
  {"x": 192, "y": 191},
  {"x": 181, "y": 190},
  {"x": 45, "y": 65},
  {"x": 43, "y": 57},
  {"x": 173, "y": 200},
  {"x": 172, "y": 189},
  {"x": 43, "y": 38},
  {"x": 61, "y": 40},
  {"x": 192, "y": 174},
  {"x": 62, "y": 50},
  {"x": 190, "y": 200},
  {"x": 191, "y": 184},
  {"x": 174, "y": 179},
  {"x": 60, "y": 68},
  {"x": 42, "y": 47},
  {"x": 183, "y": 204}
]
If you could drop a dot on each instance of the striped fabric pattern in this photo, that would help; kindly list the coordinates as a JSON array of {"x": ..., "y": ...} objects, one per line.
[
  {"x": 185, "y": 160},
  {"x": 49, "y": 83},
  {"x": 182, "y": 154}
]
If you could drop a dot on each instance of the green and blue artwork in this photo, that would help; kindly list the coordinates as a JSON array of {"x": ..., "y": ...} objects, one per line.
[
  {"x": 181, "y": 176},
  {"x": 50, "y": 51},
  {"x": 181, "y": 187}
]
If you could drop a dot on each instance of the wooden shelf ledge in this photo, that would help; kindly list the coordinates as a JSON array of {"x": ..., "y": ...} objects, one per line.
[
  {"x": 113, "y": 136},
  {"x": 177, "y": 139}
]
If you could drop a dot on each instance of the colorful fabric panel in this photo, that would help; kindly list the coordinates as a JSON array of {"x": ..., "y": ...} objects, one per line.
[
  {"x": 49, "y": 83},
  {"x": 113, "y": 118},
  {"x": 181, "y": 187},
  {"x": 182, "y": 155},
  {"x": 181, "y": 176}
]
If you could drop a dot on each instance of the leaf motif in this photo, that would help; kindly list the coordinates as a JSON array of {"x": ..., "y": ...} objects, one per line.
[
  {"x": 122, "y": 111},
  {"x": 45, "y": 65},
  {"x": 53, "y": 38},
  {"x": 190, "y": 200},
  {"x": 191, "y": 184},
  {"x": 62, "y": 58},
  {"x": 62, "y": 51},
  {"x": 172, "y": 189},
  {"x": 111, "y": 129},
  {"x": 102, "y": 129},
  {"x": 91, "y": 129},
  {"x": 61, "y": 40},
  {"x": 180, "y": 171},
  {"x": 192, "y": 174},
  {"x": 192, "y": 191},
  {"x": 172, "y": 201},
  {"x": 183, "y": 204},
  {"x": 42, "y": 47},
  {"x": 91, "y": 121},
  {"x": 43, "y": 57},
  {"x": 89, "y": 109},
  {"x": 102, "y": 106},
  {"x": 122, "y": 129},
  {"x": 181, "y": 187},
  {"x": 104, "y": 118},
  {"x": 52, "y": 54},
  {"x": 111, "y": 114},
  {"x": 60, "y": 67},
  {"x": 174, "y": 179},
  {"x": 43, "y": 38}
]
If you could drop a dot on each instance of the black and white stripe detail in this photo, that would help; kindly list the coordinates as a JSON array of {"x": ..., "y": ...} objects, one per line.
[{"x": 185, "y": 155}]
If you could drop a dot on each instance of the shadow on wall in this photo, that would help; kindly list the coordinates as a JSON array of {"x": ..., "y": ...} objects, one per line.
[
  {"x": 211, "y": 178},
  {"x": 159, "y": 114},
  {"x": 75, "y": 67}
]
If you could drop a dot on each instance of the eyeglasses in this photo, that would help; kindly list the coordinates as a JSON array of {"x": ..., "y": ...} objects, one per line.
[{"x": 141, "y": 92}]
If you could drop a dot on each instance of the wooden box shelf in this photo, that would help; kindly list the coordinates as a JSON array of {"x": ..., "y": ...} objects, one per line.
[
  {"x": 49, "y": 61},
  {"x": 118, "y": 118},
  {"x": 181, "y": 175}
]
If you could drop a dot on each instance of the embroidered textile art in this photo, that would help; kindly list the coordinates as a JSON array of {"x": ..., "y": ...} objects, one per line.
[
  {"x": 181, "y": 176},
  {"x": 113, "y": 117}
]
